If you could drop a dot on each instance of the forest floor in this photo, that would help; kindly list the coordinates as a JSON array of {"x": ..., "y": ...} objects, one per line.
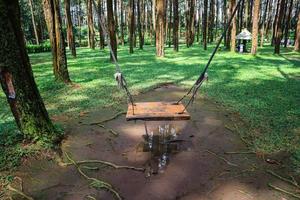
[
  {"x": 261, "y": 92},
  {"x": 205, "y": 160}
]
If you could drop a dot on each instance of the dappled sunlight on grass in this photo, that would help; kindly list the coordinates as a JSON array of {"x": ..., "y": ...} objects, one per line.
[{"x": 263, "y": 89}]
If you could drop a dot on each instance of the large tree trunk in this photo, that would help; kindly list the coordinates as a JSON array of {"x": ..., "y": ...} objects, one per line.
[
  {"x": 160, "y": 28},
  {"x": 17, "y": 79},
  {"x": 115, "y": 10},
  {"x": 297, "y": 39},
  {"x": 111, "y": 28},
  {"x": 204, "y": 26},
  {"x": 175, "y": 25},
  {"x": 255, "y": 27},
  {"x": 90, "y": 21},
  {"x": 53, "y": 20},
  {"x": 190, "y": 23},
  {"x": 233, "y": 27},
  {"x": 100, "y": 15},
  {"x": 275, "y": 22},
  {"x": 70, "y": 35},
  {"x": 33, "y": 23},
  {"x": 154, "y": 19},
  {"x": 131, "y": 25},
  {"x": 278, "y": 31},
  {"x": 288, "y": 22}
]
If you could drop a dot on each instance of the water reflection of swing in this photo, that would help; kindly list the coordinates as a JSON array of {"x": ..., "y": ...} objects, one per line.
[{"x": 162, "y": 143}]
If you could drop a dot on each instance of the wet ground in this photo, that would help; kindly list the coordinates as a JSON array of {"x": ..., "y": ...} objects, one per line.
[{"x": 182, "y": 159}]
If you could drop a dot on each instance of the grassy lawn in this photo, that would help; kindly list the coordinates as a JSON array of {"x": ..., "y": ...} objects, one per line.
[{"x": 263, "y": 90}]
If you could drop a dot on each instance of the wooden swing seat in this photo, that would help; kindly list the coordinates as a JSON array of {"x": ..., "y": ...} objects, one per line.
[{"x": 157, "y": 111}]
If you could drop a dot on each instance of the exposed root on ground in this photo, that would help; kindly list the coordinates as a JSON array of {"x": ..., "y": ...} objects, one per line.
[
  {"x": 240, "y": 152},
  {"x": 10, "y": 188},
  {"x": 284, "y": 191},
  {"x": 95, "y": 183},
  {"x": 109, "y": 119},
  {"x": 220, "y": 157},
  {"x": 292, "y": 182},
  {"x": 106, "y": 163},
  {"x": 108, "y": 129}
]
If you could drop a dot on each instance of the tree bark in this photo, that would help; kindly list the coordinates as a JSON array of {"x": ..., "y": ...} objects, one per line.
[
  {"x": 79, "y": 22},
  {"x": 288, "y": 23},
  {"x": 255, "y": 27},
  {"x": 122, "y": 23},
  {"x": 17, "y": 79},
  {"x": 278, "y": 31},
  {"x": 115, "y": 10},
  {"x": 190, "y": 23},
  {"x": 233, "y": 29},
  {"x": 131, "y": 25},
  {"x": 111, "y": 28},
  {"x": 70, "y": 35},
  {"x": 160, "y": 28},
  {"x": 100, "y": 15},
  {"x": 262, "y": 31},
  {"x": 90, "y": 22},
  {"x": 175, "y": 25},
  {"x": 170, "y": 23},
  {"x": 204, "y": 26},
  {"x": 211, "y": 21},
  {"x": 297, "y": 39},
  {"x": 33, "y": 23},
  {"x": 53, "y": 21},
  {"x": 140, "y": 21}
]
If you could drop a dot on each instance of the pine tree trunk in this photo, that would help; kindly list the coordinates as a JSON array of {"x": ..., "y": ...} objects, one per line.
[
  {"x": 160, "y": 28},
  {"x": 190, "y": 22},
  {"x": 269, "y": 18},
  {"x": 275, "y": 22},
  {"x": 154, "y": 19},
  {"x": 170, "y": 23},
  {"x": 90, "y": 22},
  {"x": 224, "y": 24},
  {"x": 211, "y": 21},
  {"x": 70, "y": 35},
  {"x": 53, "y": 20},
  {"x": 111, "y": 28},
  {"x": 233, "y": 29},
  {"x": 100, "y": 15},
  {"x": 255, "y": 27},
  {"x": 17, "y": 79},
  {"x": 175, "y": 25},
  {"x": 262, "y": 31},
  {"x": 288, "y": 22},
  {"x": 140, "y": 23},
  {"x": 115, "y": 10},
  {"x": 204, "y": 26},
  {"x": 131, "y": 25},
  {"x": 33, "y": 23},
  {"x": 297, "y": 39},
  {"x": 122, "y": 23},
  {"x": 278, "y": 31},
  {"x": 79, "y": 22}
]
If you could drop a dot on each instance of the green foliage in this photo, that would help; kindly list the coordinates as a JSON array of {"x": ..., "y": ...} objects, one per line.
[
  {"x": 33, "y": 48},
  {"x": 263, "y": 90}
]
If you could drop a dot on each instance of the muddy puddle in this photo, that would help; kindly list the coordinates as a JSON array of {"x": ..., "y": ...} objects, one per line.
[{"x": 162, "y": 143}]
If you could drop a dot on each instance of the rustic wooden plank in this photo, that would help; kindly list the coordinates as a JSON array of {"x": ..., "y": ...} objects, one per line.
[{"x": 157, "y": 111}]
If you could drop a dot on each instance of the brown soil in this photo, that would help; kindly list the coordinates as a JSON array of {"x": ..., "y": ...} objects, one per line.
[{"x": 193, "y": 172}]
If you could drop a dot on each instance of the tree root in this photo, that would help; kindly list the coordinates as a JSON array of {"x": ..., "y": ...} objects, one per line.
[
  {"x": 108, "y": 129},
  {"x": 9, "y": 187},
  {"x": 106, "y": 163},
  {"x": 292, "y": 182},
  {"x": 109, "y": 119},
  {"x": 283, "y": 191},
  {"x": 240, "y": 152},
  {"x": 226, "y": 161},
  {"x": 95, "y": 183}
]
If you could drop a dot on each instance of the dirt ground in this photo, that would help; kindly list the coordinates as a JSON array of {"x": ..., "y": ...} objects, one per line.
[{"x": 197, "y": 168}]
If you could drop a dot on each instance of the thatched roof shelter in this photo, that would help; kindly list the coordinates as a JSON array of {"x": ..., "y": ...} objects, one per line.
[{"x": 244, "y": 35}]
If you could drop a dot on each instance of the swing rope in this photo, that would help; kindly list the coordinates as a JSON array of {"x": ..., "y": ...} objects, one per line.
[
  {"x": 195, "y": 87},
  {"x": 204, "y": 76}
]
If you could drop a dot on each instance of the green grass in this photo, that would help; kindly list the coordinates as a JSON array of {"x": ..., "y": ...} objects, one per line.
[{"x": 262, "y": 89}]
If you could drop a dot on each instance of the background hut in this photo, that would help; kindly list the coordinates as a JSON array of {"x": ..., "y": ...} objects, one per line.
[{"x": 243, "y": 37}]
